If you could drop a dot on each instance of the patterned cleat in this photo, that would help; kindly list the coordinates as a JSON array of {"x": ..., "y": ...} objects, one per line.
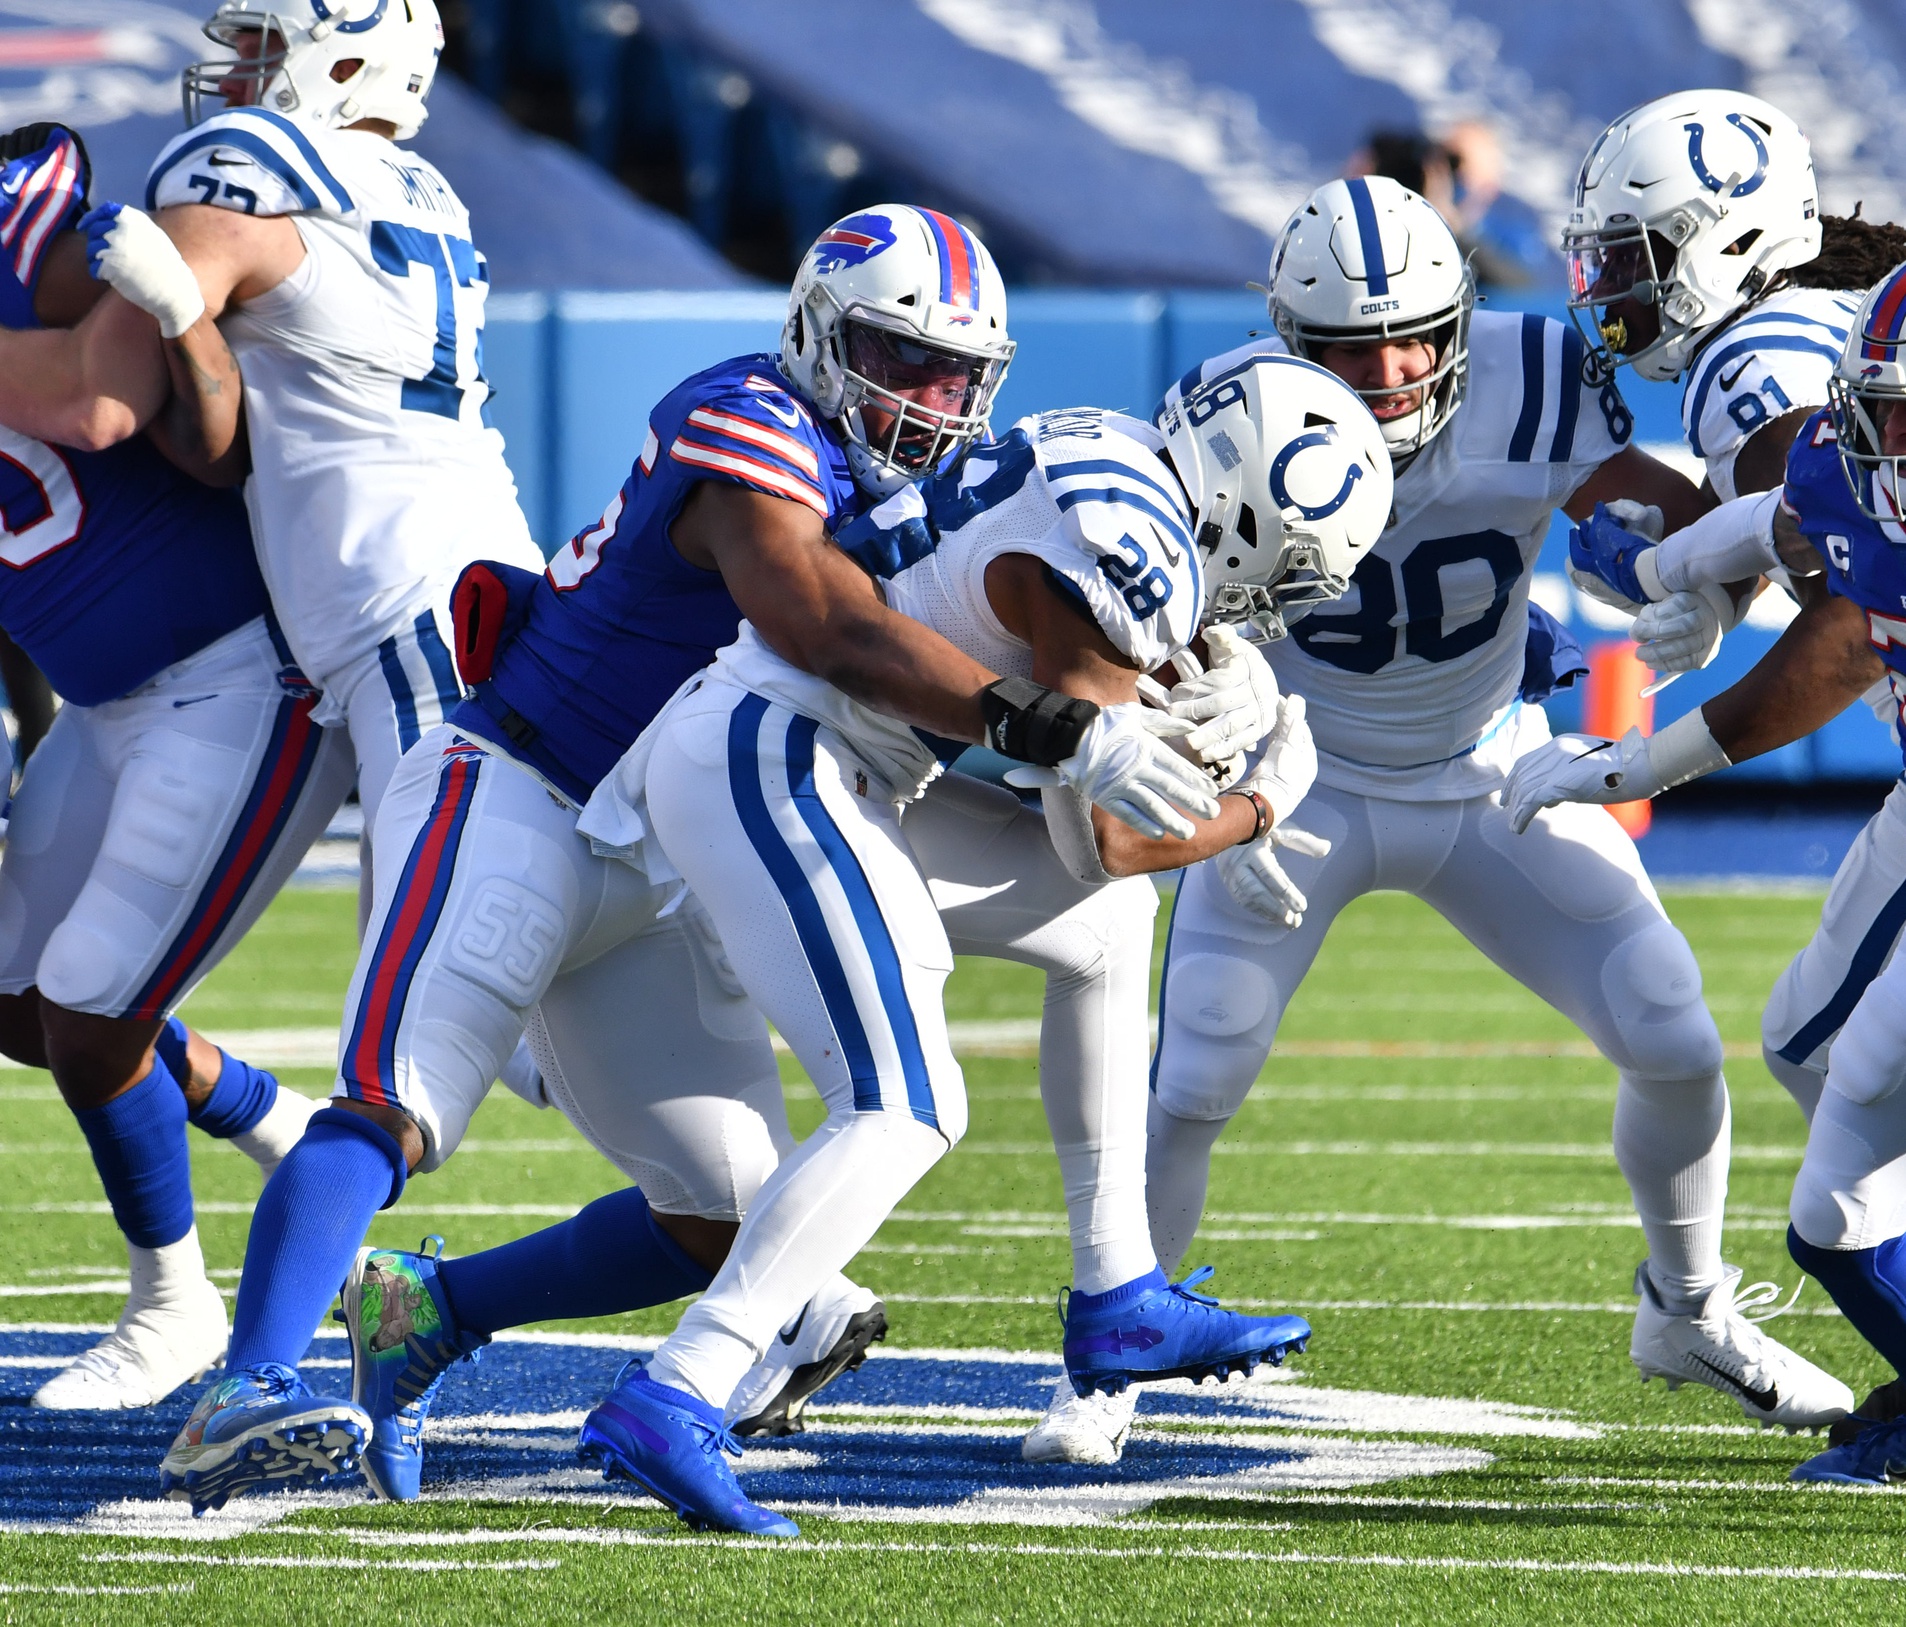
[
  {"x": 1719, "y": 1347},
  {"x": 257, "y": 1427},
  {"x": 1875, "y": 1456},
  {"x": 1081, "y": 1428},
  {"x": 1149, "y": 1329},
  {"x": 831, "y": 1336},
  {"x": 670, "y": 1444},
  {"x": 403, "y": 1340}
]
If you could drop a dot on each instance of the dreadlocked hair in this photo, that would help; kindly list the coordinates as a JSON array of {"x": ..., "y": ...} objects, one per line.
[{"x": 1854, "y": 254}]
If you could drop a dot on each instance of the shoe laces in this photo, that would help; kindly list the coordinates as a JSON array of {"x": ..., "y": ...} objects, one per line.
[
  {"x": 1753, "y": 1297},
  {"x": 1185, "y": 1289},
  {"x": 99, "y": 1361}
]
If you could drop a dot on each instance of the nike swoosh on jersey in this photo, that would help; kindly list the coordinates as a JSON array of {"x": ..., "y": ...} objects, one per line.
[
  {"x": 793, "y": 1331},
  {"x": 1728, "y": 383},
  {"x": 193, "y": 700},
  {"x": 1766, "y": 1399},
  {"x": 791, "y": 418},
  {"x": 226, "y": 163},
  {"x": 1170, "y": 553}
]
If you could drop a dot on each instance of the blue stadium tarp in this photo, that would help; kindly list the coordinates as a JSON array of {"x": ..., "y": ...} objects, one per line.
[
  {"x": 1129, "y": 143},
  {"x": 545, "y": 217}
]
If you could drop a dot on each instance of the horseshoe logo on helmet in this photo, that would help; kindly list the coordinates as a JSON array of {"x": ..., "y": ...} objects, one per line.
[
  {"x": 1696, "y": 133},
  {"x": 1326, "y": 436}
]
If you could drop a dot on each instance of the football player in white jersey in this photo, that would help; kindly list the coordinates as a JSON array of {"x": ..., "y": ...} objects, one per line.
[
  {"x": 1695, "y": 240},
  {"x": 1083, "y": 550},
  {"x": 340, "y": 272},
  {"x": 1414, "y": 692}
]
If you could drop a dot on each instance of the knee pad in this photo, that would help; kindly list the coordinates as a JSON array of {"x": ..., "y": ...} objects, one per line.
[
  {"x": 1867, "y": 1063},
  {"x": 1800, "y": 1081},
  {"x": 1220, "y": 1014},
  {"x": 336, "y": 1124},
  {"x": 1652, "y": 985},
  {"x": 91, "y": 957},
  {"x": 1838, "y": 1203}
]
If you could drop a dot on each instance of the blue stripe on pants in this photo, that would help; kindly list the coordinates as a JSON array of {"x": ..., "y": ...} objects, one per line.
[
  {"x": 881, "y": 953},
  {"x": 810, "y": 925},
  {"x": 397, "y": 681}
]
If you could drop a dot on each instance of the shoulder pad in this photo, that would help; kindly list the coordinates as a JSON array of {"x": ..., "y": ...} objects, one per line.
[
  {"x": 753, "y": 431},
  {"x": 1766, "y": 363},
  {"x": 251, "y": 160}
]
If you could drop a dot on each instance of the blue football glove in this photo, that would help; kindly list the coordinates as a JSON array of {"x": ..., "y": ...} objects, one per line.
[
  {"x": 1602, "y": 553},
  {"x": 42, "y": 192}
]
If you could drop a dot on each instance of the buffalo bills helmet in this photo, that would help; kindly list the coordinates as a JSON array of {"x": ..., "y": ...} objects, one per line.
[{"x": 896, "y": 332}]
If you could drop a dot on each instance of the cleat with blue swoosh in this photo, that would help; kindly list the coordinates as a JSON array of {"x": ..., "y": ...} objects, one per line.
[
  {"x": 670, "y": 1443},
  {"x": 1148, "y": 1329}
]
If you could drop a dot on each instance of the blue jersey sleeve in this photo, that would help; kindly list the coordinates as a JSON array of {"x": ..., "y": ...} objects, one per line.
[
  {"x": 251, "y": 160},
  {"x": 41, "y": 194},
  {"x": 755, "y": 434}
]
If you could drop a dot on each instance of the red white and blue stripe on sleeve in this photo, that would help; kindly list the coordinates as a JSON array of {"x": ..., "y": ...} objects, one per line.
[
  {"x": 47, "y": 196},
  {"x": 762, "y": 440}
]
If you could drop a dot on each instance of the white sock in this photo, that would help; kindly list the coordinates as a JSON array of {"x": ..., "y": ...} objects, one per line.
[
  {"x": 1177, "y": 1171},
  {"x": 167, "y": 1278},
  {"x": 1799, "y": 1080},
  {"x": 1672, "y": 1140},
  {"x": 267, "y": 1141},
  {"x": 1092, "y": 1055},
  {"x": 810, "y": 1218}
]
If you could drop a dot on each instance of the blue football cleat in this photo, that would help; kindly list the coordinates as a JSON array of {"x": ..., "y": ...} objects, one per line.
[
  {"x": 671, "y": 1444},
  {"x": 260, "y": 1426},
  {"x": 1149, "y": 1329},
  {"x": 403, "y": 1340},
  {"x": 1875, "y": 1456}
]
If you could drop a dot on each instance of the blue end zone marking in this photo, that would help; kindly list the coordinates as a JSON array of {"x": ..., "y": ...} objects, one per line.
[
  {"x": 1522, "y": 443},
  {"x": 1374, "y": 271},
  {"x": 57, "y": 1468}
]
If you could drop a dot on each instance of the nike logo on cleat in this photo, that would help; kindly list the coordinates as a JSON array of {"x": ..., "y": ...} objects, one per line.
[
  {"x": 1767, "y": 1400},
  {"x": 793, "y": 1330}
]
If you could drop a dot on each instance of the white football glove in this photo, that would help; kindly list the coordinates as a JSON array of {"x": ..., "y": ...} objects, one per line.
[
  {"x": 1288, "y": 768},
  {"x": 129, "y": 249},
  {"x": 1233, "y": 704},
  {"x": 1125, "y": 766},
  {"x": 1682, "y": 633},
  {"x": 1252, "y": 875},
  {"x": 1585, "y": 768}
]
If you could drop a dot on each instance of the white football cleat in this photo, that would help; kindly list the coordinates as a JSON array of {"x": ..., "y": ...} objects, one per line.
[
  {"x": 154, "y": 1350},
  {"x": 1719, "y": 1347},
  {"x": 829, "y": 1337},
  {"x": 1081, "y": 1428}
]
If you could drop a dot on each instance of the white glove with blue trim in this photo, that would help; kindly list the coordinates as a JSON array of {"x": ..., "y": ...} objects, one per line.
[{"x": 127, "y": 248}]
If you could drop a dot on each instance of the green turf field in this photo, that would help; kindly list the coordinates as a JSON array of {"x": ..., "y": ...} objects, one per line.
[{"x": 1423, "y": 1171}]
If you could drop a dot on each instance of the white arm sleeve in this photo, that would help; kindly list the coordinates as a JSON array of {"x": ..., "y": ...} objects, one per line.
[{"x": 1727, "y": 544}]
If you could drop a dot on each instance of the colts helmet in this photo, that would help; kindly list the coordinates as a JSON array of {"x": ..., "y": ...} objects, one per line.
[
  {"x": 1367, "y": 261},
  {"x": 397, "y": 43},
  {"x": 1691, "y": 204},
  {"x": 1289, "y": 480},
  {"x": 891, "y": 300},
  {"x": 1867, "y": 387}
]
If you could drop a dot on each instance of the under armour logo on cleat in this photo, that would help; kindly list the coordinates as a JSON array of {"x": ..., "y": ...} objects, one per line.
[{"x": 1117, "y": 1342}]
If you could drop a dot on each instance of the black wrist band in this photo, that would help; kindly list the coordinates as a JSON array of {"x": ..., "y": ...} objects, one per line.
[
  {"x": 1033, "y": 724},
  {"x": 1259, "y": 806}
]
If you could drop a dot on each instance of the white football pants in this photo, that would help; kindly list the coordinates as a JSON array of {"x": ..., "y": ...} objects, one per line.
[
  {"x": 1565, "y": 909},
  {"x": 151, "y": 831},
  {"x": 1834, "y": 1033},
  {"x": 491, "y": 903},
  {"x": 821, "y": 894}
]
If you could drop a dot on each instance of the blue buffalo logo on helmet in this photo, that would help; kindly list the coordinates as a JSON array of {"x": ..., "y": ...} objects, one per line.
[{"x": 852, "y": 242}]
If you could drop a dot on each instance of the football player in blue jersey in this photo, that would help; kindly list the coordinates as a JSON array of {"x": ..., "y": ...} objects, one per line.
[
  {"x": 500, "y": 915},
  {"x": 174, "y": 794},
  {"x": 1835, "y": 524}
]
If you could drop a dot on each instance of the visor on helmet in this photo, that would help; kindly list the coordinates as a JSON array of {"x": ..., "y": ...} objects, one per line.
[{"x": 918, "y": 401}]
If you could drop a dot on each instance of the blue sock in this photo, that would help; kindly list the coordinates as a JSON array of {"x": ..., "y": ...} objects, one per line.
[
  {"x": 138, "y": 1142},
  {"x": 242, "y": 1096},
  {"x": 610, "y": 1258},
  {"x": 306, "y": 1231},
  {"x": 1869, "y": 1286}
]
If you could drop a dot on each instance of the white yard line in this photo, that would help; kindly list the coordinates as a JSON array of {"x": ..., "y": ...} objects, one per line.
[{"x": 315, "y": 1562}]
